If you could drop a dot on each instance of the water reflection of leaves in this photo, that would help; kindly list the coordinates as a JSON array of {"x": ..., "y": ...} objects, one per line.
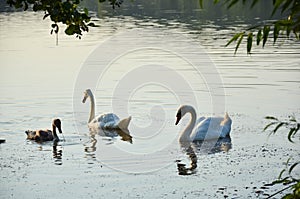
[{"x": 201, "y": 147}]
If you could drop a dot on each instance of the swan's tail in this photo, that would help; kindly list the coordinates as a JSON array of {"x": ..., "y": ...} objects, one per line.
[
  {"x": 226, "y": 120},
  {"x": 123, "y": 124},
  {"x": 226, "y": 115}
]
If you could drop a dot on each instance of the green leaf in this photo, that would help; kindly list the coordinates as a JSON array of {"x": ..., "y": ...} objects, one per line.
[
  {"x": 271, "y": 118},
  {"x": 238, "y": 44},
  {"x": 288, "y": 160},
  {"x": 70, "y": 30},
  {"x": 298, "y": 127},
  {"x": 292, "y": 167},
  {"x": 278, "y": 126},
  {"x": 292, "y": 118},
  {"x": 56, "y": 29},
  {"x": 258, "y": 37},
  {"x": 234, "y": 38},
  {"x": 253, "y": 3},
  {"x": 25, "y": 6},
  {"x": 267, "y": 126},
  {"x": 249, "y": 42},
  {"x": 86, "y": 11},
  {"x": 266, "y": 31},
  {"x": 286, "y": 5},
  {"x": 201, "y": 4},
  {"x": 233, "y": 2},
  {"x": 281, "y": 173},
  {"x": 276, "y": 32},
  {"x": 291, "y": 133},
  {"x": 288, "y": 196},
  {"x": 276, "y": 5},
  {"x": 46, "y": 15},
  {"x": 280, "y": 181}
]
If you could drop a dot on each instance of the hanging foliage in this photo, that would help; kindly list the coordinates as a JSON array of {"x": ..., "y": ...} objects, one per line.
[{"x": 66, "y": 12}]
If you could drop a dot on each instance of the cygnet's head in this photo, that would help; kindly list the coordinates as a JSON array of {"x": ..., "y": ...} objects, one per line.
[
  {"x": 87, "y": 93},
  {"x": 57, "y": 123}
]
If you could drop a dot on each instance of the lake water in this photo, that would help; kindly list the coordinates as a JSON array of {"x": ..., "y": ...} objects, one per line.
[{"x": 142, "y": 65}]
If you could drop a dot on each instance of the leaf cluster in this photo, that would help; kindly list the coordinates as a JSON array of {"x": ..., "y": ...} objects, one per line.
[
  {"x": 66, "y": 12},
  {"x": 291, "y": 124},
  {"x": 289, "y": 181},
  {"x": 260, "y": 33}
]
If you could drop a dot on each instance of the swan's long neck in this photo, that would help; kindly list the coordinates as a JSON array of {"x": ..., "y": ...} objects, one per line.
[
  {"x": 92, "y": 112},
  {"x": 55, "y": 137},
  {"x": 185, "y": 135}
]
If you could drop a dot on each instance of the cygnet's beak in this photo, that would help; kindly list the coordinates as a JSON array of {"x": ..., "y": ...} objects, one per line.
[
  {"x": 59, "y": 129},
  {"x": 84, "y": 99}
]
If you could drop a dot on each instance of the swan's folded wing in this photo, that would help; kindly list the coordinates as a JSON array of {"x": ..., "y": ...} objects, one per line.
[
  {"x": 106, "y": 121},
  {"x": 200, "y": 119},
  {"x": 108, "y": 117},
  {"x": 109, "y": 125},
  {"x": 201, "y": 128},
  {"x": 208, "y": 128},
  {"x": 203, "y": 125}
]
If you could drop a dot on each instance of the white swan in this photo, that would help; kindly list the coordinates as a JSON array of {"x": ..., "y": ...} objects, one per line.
[
  {"x": 104, "y": 121},
  {"x": 204, "y": 128}
]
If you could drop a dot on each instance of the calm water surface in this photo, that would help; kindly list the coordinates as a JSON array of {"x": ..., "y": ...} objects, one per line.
[{"x": 38, "y": 82}]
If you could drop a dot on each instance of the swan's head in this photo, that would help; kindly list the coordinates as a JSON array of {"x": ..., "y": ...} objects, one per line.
[
  {"x": 178, "y": 116},
  {"x": 86, "y": 94},
  {"x": 57, "y": 124},
  {"x": 182, "y": 111}
]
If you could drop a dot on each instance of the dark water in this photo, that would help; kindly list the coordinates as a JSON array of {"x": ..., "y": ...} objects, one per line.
[{"x": 39, "y": 81}]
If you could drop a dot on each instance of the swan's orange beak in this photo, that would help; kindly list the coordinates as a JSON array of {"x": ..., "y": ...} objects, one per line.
[{"x": 177, "y": 120}]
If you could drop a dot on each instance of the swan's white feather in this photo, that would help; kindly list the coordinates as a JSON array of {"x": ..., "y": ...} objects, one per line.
[
  {"x": 211, "y": 128},
  {"x": 104, "y": 121}
]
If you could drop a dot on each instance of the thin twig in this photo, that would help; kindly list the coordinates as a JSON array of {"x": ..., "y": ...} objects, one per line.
[{"x": 280, "y": 191}]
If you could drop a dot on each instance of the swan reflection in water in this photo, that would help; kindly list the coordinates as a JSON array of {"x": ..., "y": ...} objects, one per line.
[
  {"x": 194, "y": 138},
  {"x": 109, "y": 135},
  {"x": 91, "y": 149},
  {"x": 188, "y": 149},
  {"x": 57, "y": 153},
  {"x": 191, "y": 149},
  {"x": 112, "y": 134}
]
